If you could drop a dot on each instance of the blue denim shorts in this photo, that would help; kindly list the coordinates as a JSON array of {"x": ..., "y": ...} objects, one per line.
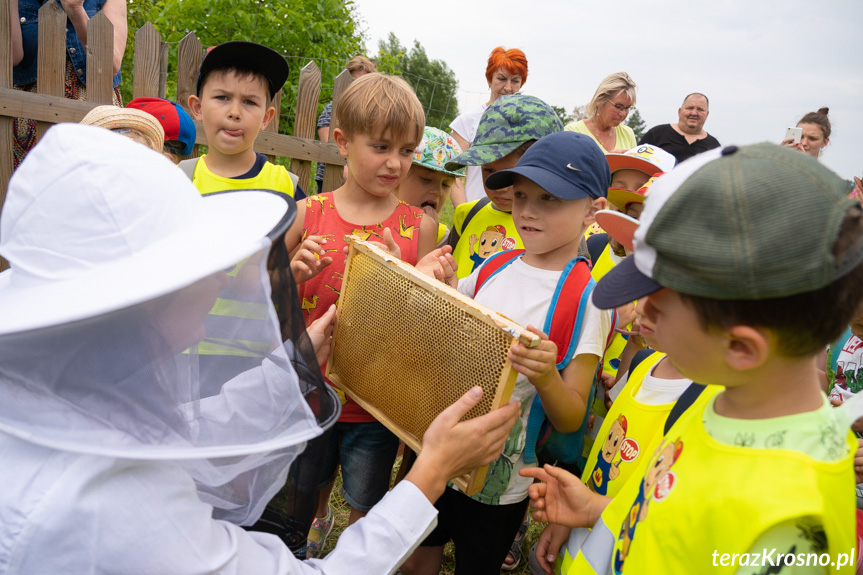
[{"x": 366, "y": 452}]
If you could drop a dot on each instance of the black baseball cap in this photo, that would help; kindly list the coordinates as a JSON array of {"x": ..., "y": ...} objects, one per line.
[{"x": 267, "y": 61}]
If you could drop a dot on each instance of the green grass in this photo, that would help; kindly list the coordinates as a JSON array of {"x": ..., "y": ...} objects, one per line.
[{"x": 341, "y": 510}]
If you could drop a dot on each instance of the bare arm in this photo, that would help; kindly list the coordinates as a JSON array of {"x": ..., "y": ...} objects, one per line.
[
  {"x": 17, "y": 42},
  {"x": 564, "y": 393},
  {"x": 115, "y": 11},
  {"x": 428, "y": 237},
  {"x": 324, "y": 134}
]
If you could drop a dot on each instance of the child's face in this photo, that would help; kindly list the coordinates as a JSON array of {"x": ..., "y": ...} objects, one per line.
[
  {"x": 233, "y": 110},
  {"x": 425, "y": 188},
  {"x": 630, "y": 180},
  {"x": 377, "y": 163},
  {"x": 502, "y": 199},
  {"x": 550, "y": 228},
  {"x": 670, "y": 325}
]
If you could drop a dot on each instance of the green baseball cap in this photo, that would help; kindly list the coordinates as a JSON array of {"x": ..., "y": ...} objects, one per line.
[
  {"x": 505, "y": 125},
  {"x": 748, "y": 223},
  {"x": 436, "y": 149}
]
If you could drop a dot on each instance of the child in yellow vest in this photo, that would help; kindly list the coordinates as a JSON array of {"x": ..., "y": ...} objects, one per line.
[
  {"x": 429, "y": 183},
  {"x": 508, "y": 127},
  {"x": 233, "y": 100},
  {"x": 761, "y": 475}
]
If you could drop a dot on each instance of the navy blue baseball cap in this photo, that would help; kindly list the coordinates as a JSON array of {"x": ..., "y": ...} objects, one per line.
[{"x": 567, "y": 165}]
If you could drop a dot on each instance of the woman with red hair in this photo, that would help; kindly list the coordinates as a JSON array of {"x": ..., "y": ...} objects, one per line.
[{"x": 506, "y": 73}]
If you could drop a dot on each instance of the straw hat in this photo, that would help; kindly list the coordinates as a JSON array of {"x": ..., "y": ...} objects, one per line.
[
  {"x": 134, "y": 229},
  {"x": 114, "y": 118}
]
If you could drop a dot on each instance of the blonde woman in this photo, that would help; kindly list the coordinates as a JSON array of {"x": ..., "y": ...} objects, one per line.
[{"x": 608, "y": 108}]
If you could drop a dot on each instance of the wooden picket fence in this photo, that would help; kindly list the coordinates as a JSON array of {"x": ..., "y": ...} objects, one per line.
[{"x": 150, "y": 78}]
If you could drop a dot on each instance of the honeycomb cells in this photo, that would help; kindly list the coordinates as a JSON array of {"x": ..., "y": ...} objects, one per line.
[{"x": 410, "y": 351}]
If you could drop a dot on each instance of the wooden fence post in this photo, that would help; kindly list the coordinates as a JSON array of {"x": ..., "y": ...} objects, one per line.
[
  {"x": 333, "y": 172},
  {"x": 273, "y": 126},
  {"x": 6, "y": 136},
  {"x": 100, "y": 60},
  {"x": 164, "y": 53},
  {"x": 308, "y": 92},
  {"x": 51, "y": 71},
  {"x": 189, "y": 56},
  {"x": 148, "y": 60}
]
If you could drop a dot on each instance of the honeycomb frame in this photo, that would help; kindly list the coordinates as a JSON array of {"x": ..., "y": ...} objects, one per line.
[{"x": 398, "y": 329}]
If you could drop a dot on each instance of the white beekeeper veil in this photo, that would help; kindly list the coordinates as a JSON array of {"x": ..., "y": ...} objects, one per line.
[{"x": 111, "y": 338}]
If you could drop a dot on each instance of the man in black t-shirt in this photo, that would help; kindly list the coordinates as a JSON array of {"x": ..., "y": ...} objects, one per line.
[{"x": 687, "y": 137}]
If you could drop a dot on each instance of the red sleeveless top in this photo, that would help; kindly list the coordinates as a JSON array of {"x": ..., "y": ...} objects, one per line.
[{"x": 318, "y": 293}]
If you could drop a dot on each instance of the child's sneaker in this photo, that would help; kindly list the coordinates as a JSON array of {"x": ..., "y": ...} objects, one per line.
[{"x": 318, "y": 533}]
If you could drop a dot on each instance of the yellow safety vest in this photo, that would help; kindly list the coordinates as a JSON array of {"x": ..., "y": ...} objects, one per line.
[
  {"x": 698, "y": 497},
  {"x": 611, "y": 360},
  {"x": 624, "y": 442},
  {"x": 271, "y": 177}
]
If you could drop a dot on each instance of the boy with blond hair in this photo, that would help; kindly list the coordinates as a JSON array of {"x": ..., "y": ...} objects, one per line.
[
  {"x": 557, "y": 187},
  {"x": 761, "y": 476},
  {"x": 233, "y": 99},
  {"x": 381, "y": 123}
]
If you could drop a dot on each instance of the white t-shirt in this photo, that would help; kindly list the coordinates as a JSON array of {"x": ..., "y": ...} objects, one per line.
[
  {"x": 465, "y": 125},
  {"x": 523, "y": 293},
  {"x": 656, "y": 391},
  {"x": 849, "y": 370}
]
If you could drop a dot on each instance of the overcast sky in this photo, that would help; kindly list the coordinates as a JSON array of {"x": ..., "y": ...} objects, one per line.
[{"x": 762, "y": 63}]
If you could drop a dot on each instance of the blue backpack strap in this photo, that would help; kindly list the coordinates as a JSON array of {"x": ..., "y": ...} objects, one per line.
[
  {"x": 563, "y": 328},
  {"x": 493, "y": 265}
]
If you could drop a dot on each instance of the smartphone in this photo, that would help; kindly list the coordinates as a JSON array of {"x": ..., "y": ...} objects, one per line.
[{"x": 793, "y": 134}]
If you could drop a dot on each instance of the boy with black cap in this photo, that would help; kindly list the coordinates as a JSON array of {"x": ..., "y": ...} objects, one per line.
[
  {"x": 762, "y": 475},
  {"x": 558, "y": 186},
  {"x": 233, "y": 99}
]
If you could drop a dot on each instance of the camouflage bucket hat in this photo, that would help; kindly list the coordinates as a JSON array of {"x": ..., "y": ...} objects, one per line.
[
  {"x": 505, "y": 125},
  {"x": 436, "y": 149}
]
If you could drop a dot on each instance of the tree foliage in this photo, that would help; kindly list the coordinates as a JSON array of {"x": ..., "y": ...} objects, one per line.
[
  {"x": 432, "y": 80},
  {"x": 561, "y": 113},
  {"x": 636, "y": 122},
  {"x": 324, "y": 30}
]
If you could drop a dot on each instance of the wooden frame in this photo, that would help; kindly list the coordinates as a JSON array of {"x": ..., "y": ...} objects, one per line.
[{"x": 446, "y": 338}]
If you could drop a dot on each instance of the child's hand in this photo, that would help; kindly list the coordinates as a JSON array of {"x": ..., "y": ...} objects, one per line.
[
  {"x": 440, "y": 265},
  {"x": 452, "y": 447},
  {"x": 548, "y": 546},
  {"x": 562, "y": 498},
  {"x": 310, "y": 259},
  {"x": 608, "y": 380},
  {"x": 390, "y": 246},
  {"x": 320, "y": 333},
  {"x": 858, "y": 189},
  {"x": 625, "y": 315},
  {"x": 539, "y": 363}
]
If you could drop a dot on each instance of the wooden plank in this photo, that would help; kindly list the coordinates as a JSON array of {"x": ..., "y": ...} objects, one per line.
[
  {"x": 51, "y": 72},
  {"x": 54, "y": 109},
  {"x": 189, "y": 56},
  {"x": 165, "y": 51},
  {"x": 7, "y": 156},
  {"x": 100, "y": 60},
  {"x": 333, "y": 172},
  {"x": 308, "y": 92},
  {"x": 273, "y": 126},
  {"x": 148, "y": 59}
]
